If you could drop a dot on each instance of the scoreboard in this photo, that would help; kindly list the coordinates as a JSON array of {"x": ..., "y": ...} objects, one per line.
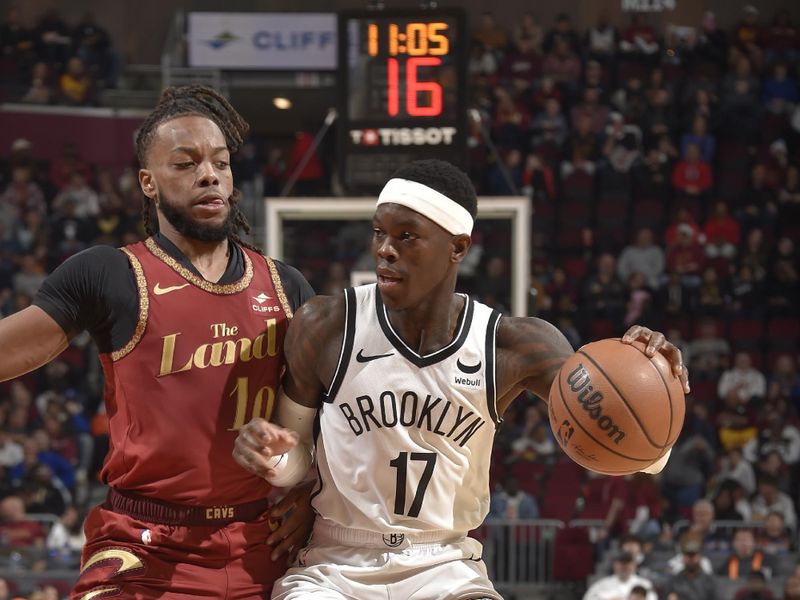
[{"x": 402, "y": 91}]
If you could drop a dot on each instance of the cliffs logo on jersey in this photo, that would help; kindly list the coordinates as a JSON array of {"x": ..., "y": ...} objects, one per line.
[
  {"x": 258, "y": 305},
  {"x": 403, "y": 136},
  {"x": 409, "y": 409}
]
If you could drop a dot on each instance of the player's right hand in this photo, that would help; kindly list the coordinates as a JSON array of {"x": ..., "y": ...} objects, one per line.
[{"x": 260, "y": 444}]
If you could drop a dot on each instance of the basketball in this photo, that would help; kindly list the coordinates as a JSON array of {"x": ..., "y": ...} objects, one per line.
[{"x": 615, "y": 411}]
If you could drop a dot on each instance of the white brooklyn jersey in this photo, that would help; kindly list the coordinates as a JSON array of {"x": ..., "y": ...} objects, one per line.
[{"x": 406, "y": 438}]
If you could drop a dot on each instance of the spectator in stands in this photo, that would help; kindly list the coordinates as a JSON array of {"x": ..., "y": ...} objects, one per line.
[
  {"x": 755, "y": 588},
  {"x": 505, "y": 177},
  {"x": 734, "y": 467},
  {"x": 537, "y": 180},
  {"x": 43, "y": 492},
  {"x": 66, "y": 537},
  {"x": 563, "y": 65},
  {"x": 692, "y": 176},
  {"x": 75, "y": 86},
  {"x": 482, "y": 62},
  {"x": 754, "y": 253},
  {"x": 728, "y": 499},
  {"x": 789, "y": 195},
  {"x": 639, "y": 41},
  {"x": 746, "y": 293},
  {"x": 64, "y": 165},
  {"x": 563, "y": 31},
  {"x": 511, "y": 502},
  {"x": 16, "y": 529},
  {"x": 784, "y": 381},
  {"x": 781, "y": 40},
  {"x": 84, "y": 199},
  {"x": 52, "y": 38},
  {"x": 601, "y": 40},
  {"x": 742, "y": 382},
  {"x": 10, "y": 451},
  {"x": 549, "y": 126},
  {"x": 712, "y": 42},
  {"x": 640, "y": 300},
  {"x": 688, "y": 469},
  {"x": 630, "y": 100},
  {"x": 686, "y": 258},
  {"x": 771, "y": 499},
  {"x": 706, "y": 142},
  {"x": 310, "y": 177},
  {"x": 603, "y": 293},
  {"x": 775, "y": 539},
  {"x": 691, "y": 582},
  {"x": 638, "y": 592},
  {"x": 41, "y": 89},
  {"x": 779, "y": 435},
  {"x": 520, "y": 68},
  {"x": 591, "y": 107},
  {"x": 528, "y": 34},
  {"x": 30, "y": 275},
  {"x": 37, "y": 451},
  {"x": 622, "y": 148},
  {"x": 722, "y": 233},
  {"x": 533, "y": 441},
  {"x": 712, "y": 293},
  {"x": 23, "y": 194},
  {"x": 747, "y": 34},
  {"x": 659, "y": 119},
  {"x": 93, "y": 46},
  {"x": 490, "y": 34},
  {"x": 620, "y": 584},
  {"x": 780, "y": 92},
  {"x": 745, "y": 558},
  {"x": 709, "y": 351},
  {"x": 783, "y": 284},
  {"x": 791, "y": 589}
]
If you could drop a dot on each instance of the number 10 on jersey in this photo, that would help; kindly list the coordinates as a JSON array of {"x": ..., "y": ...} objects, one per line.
[{"x": 401, "y": 464}]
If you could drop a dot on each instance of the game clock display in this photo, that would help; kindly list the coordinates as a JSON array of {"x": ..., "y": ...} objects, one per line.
[{"x": 402, "y": 78}]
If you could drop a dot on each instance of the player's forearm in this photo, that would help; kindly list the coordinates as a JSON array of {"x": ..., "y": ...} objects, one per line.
[
  {"x": 29, "y": 339},
  {"x": 291, "y": 467}
]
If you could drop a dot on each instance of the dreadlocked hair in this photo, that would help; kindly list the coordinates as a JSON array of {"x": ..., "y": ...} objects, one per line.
[{"x": 200, "y": 100}]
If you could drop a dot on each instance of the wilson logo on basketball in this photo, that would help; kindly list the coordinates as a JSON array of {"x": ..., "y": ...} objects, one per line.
[{"x": 590, "y": 400}]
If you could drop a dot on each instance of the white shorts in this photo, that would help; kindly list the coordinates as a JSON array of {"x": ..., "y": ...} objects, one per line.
[{"x": 333, "y": 567}]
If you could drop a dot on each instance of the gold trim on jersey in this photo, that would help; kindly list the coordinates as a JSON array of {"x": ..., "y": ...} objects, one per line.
[
  {"x": 278, "y": 285},
  {"x": 206, "y": 286},
  {"x": 144, "y": 306}
]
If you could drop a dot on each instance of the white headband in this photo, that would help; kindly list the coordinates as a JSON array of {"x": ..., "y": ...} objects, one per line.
[{"x": 428, "y": 202}]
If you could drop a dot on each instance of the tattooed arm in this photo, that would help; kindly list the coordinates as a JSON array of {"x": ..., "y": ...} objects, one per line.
[{"x": 530, "y": 352}]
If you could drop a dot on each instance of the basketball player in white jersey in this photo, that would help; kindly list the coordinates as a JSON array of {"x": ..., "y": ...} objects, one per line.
[{"x": 409, "y": 381}]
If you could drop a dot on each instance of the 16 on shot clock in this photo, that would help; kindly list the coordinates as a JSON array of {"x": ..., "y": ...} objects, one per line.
[{"x": 402, "y": 77}]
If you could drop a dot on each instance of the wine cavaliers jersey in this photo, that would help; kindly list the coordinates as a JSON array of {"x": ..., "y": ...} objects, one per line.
[
  {"x": 406, "y": 438},
  {"x": 203, "y": 361}
]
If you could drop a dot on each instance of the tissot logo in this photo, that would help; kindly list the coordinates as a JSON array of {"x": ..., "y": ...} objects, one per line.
[{"x": 403, "y": 136}]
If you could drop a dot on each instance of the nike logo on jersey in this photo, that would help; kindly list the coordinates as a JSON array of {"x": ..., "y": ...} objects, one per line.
[
  {"x": 468, "y": 368},
  {"x": 362, "y": 358},
  {"x": 159, "y": 291}
]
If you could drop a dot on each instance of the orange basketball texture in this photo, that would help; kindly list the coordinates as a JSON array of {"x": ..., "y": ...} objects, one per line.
[{"x": 615, "y": 411}]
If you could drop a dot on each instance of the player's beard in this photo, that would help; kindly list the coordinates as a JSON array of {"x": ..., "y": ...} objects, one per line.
[{"x": 180, "y": 218}]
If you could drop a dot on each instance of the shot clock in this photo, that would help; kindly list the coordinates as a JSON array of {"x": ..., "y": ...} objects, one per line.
[{"x": 402, "y": 77}]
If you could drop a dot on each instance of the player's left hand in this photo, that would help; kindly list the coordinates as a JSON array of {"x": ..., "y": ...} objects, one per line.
[
  {"x": 656, "y": 342},
  {"x": 297, "y": 517}
]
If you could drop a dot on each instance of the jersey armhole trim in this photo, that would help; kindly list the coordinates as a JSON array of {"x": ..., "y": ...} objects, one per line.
[
  {"x": 491, "y": 367},
  {"x": 350, "y": 309},
  {"x": 278, "y": 285},
  {"x": 144, "y": 307}
]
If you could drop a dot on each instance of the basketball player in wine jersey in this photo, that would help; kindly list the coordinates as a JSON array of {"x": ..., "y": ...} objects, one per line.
[
  {"x": 409, "y": 381},
  {"x": 190, "y": 326}
]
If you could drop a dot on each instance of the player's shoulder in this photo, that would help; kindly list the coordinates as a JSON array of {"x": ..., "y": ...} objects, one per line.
[
  {"x": 322, "y": 312},
  {"x": 98, "y": 257},
  {"x": 529, "y": 333}
]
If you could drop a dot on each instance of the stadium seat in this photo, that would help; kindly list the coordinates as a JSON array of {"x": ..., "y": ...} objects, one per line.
[
  {"x": 575, "y": 267},
  {"x": 747, "y": 333},
  {"x": 573, "y": 554},
  {"x": 783, "y": 333},
  {"x": 578, "y": 186},
  {"x": 648, "y": 212}
]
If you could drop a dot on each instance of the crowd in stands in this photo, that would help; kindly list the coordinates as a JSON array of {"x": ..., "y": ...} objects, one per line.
[
  {"x": 54, "y": 61},
  {"x": 664, "y": 172}
]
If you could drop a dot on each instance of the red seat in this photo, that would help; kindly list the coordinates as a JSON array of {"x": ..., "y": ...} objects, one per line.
[
  {"x": 600, "y": 329},
  {"x": 573, "y": 554},
  {"x": 578, "y": 186},
  {"x": 575, "y": 267},
  {"x": 784, "y": 329},
  {"x": 746, "y": 332},
  {"x": 704, "y": 391},
  {"x": 719, "y": 325}
]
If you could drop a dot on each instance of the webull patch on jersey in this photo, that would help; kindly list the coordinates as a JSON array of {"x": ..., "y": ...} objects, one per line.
[{"x": 468, "y": 381}]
